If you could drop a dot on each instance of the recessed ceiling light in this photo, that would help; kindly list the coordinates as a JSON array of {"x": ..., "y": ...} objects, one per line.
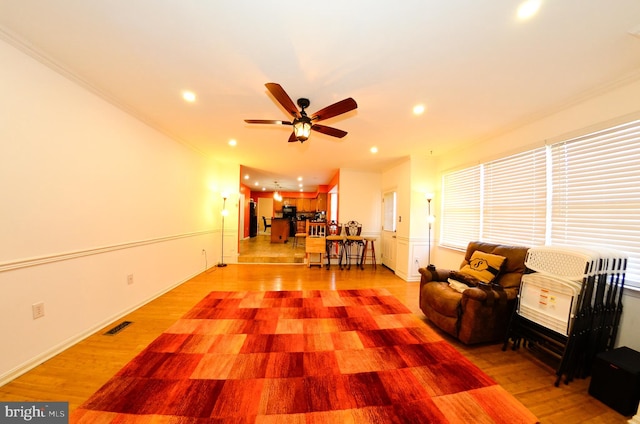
[
  {"x": 189, "y": 96},
  {"x": 374, "y": 149},
  {"x": 418, "y": 109},
  {"x": 299, "y": 178},
  {"x": 246, "y": 176},
  {"x": 256, "y": 184},
  {"x": 528, "y": 9},
  {"x": 232, "y": 142}
]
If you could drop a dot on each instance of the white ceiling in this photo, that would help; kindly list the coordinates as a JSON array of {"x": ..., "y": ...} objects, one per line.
[{"x": 478, "y": 69}]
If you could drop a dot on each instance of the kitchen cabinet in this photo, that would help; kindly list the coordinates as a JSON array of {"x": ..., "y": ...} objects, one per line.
[
  {"x": 305, "y": 204},
  {"x": 321, "y": 202},
  {"x": 280, "y": 230}
]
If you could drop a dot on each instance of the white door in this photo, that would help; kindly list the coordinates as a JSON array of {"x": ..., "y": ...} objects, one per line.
[{"x": 389, "y": 245}]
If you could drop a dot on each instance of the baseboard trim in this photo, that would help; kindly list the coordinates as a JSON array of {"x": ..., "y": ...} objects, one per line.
[{"x": 59, "y": 348}]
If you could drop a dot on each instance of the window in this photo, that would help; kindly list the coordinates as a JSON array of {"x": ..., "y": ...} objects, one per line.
[
  {"x": 515, "y": 197},
  {"x": 461, "y": 203},
  {"x": 333, "y": 206},
  {"x": 580, "y": 192},
  {"x": 596, "y": 193},
  {"x": 389, "y": 200}
]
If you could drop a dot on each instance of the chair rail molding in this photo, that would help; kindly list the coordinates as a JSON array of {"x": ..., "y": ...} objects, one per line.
[{"x": 46, "y": 259}]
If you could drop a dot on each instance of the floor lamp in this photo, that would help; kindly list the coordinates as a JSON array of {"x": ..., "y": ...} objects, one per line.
[
  {"x": 224, "y": 213},
  {"x": 430, "y": 219}
]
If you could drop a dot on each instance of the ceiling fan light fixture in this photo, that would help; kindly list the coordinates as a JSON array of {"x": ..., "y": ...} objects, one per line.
[
  {"x": 302, "y": 124},
  {"x": 302, "y": 128}
]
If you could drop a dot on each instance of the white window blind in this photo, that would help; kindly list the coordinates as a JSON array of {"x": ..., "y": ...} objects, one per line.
[
  {"x": 514, "y": 203},
  {"x": 596, "y": 193},
  {"x": 460, "y": 208},
  {"x": 580, "y": 192}
]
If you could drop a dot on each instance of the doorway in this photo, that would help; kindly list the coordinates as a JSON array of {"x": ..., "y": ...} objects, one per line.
[
  {"x": 264, "y": 209},
  {"x": 259, "y": 249}
]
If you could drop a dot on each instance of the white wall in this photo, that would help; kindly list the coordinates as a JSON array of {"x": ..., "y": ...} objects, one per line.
[
  {"x": 611, "y": 105},
  {"x": 360, "y": 200},
  {"x": 422, "y": 182},
  {"x": 226, "y": 184},
  {"x": 411, "y": 179},
  {"x": 615, "y": 104},
  {"x": 88, "y": 196}
]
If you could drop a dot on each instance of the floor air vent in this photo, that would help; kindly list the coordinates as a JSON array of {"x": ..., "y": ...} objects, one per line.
[{"x": 118, "y": 328}]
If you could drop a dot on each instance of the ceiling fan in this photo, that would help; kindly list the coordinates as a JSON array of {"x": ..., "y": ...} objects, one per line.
[{"x": 302, "y": 123}]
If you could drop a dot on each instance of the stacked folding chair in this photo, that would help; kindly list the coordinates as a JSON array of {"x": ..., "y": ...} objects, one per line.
[{"x": 569, "y": 305}]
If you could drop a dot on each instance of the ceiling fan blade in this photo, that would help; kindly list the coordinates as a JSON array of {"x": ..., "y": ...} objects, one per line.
[
  {"x": 333, "y": 132},
  {"x": 267, "y": 121},
  {"x": 335, "y": 109},
  {"x": 283, "y": 98},
  {"x": 292, "y": 138}
]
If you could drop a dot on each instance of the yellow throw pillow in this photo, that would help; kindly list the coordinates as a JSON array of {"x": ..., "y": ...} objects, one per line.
[{"x": 483, "y": 266}]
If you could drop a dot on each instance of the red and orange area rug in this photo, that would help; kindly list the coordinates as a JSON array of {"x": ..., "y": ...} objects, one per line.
[{"x": 345, "y": 356}]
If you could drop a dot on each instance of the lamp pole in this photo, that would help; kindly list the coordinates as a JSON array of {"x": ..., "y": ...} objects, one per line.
[{"x": 224, "y": 213}]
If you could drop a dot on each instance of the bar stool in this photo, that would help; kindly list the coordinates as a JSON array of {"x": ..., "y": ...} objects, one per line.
[
  {"x": 301, "y": 232},
  {"x": 353, "y": 230},
  {"x": 334, "y": 239},
  {"x": 370, "y": 251}
]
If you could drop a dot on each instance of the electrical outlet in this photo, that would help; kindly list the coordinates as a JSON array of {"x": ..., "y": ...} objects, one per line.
[
  {"x": 130, "y": 279},
  {"x": 38, "y": 310}
]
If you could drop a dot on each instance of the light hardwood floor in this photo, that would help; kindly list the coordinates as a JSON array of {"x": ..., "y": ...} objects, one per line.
[
  {"x": 259, "y": 249},
  {"x": 79, "y": 371}
]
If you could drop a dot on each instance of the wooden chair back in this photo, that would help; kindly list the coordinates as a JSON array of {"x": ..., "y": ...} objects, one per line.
[
  {"x": 334, "y": 229},
  {"x": 301, "y": 227},
  {"x": 316, "y": 229},
  {"x": 353, "y": 228}
]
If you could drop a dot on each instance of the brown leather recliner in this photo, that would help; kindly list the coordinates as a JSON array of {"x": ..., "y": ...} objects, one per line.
[{"x": 481, "y": 312}]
